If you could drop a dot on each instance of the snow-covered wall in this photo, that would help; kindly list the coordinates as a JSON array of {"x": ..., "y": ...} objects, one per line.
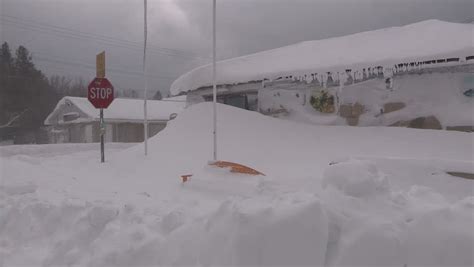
[
  {"x": 418, "y": 43},
  {"x": 439, "y": 94}
]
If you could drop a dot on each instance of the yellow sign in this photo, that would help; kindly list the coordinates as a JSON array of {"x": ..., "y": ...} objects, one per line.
[{"x": 100, "y": 65}]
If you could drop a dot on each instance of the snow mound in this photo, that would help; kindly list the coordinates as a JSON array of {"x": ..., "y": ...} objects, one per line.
[
  {"x": 135, "y": 211},
  {"x": 241, "y": 233},
  {"x": 423, "y": 230},
  {"x": 356, "y": 178},
  {"x": 438, "y": 237},
  {"x": 427, "y": 239},
  {"x": 50, "y": 150},
  {"x": 66, "y": 230},
  {"x": 18, "y": 189},
  {"x": 377, "y": 245}
]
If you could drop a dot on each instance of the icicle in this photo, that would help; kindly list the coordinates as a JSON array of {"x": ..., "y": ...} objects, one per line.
[
  {"x": 343, "y": 77},
  {"x": 350, "y": 78},
  {"x": 387, "y": 72},
  {"x": 315, "y": 80},
  {"x": 329, "y": 79},
  {"x": 323, "y": 80},
  {"x": 357, "y": 76}
]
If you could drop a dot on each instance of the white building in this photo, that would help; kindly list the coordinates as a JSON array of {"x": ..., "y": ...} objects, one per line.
[
  {"x": 75, "y": 120},
  {"x": 423, "y": 69}
]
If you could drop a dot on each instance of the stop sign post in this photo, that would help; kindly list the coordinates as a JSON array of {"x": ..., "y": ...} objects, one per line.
[{"x": 100, "y": 93}]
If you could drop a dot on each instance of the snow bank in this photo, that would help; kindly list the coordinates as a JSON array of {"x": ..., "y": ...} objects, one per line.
[
  {"x": 253, "y": 232},
  {"x": 42, "y": 233},
  {"x": 427, "y": 40},
  {"x": 388, "y": 190},
  {"x": 439, "y": 236},
  {"x": 355, "y": 178},
  {"x": 56, "y": 149},
  {"x": 427, "y": 239},
  {"x": 377, "y": 245}
]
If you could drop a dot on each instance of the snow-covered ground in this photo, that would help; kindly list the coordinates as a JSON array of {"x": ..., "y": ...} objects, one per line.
[{"x": 332, "y": 196}]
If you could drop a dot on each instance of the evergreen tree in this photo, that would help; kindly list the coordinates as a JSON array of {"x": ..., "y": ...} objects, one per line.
[
  {"x": 24, "y": 64},
  {"x": 6, "y": 71},
  {"x": 6, "y": 59},
  {"x": 23, "y": 90}
]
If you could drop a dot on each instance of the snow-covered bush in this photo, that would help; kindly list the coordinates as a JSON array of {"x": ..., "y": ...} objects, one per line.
[{"x": 323, "y": 102}]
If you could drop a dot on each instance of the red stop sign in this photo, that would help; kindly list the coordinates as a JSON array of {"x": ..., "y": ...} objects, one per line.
[{"x": 100, "y": 93}]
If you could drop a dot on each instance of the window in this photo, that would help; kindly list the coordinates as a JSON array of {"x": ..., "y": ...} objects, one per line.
[
  {"x": 70, "y": 116},
  {"x": 239, "y": 101}
]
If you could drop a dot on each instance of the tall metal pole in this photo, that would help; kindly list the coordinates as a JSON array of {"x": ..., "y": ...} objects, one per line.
[
  {"x": 102, "y": 132},
  {"x": 214, "y": 82},
  {"x": 145, "y": 122}
]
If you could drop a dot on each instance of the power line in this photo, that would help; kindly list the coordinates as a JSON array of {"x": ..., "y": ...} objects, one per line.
[
  {"x": 98, "y": 40},
  {"x": 118, "y": 87},
  {"x": 92, "y": 67},
  {"x": 46, "y": 57},
  {"x": 87, "y": 34},
  {"x": 76, "y": 34}
]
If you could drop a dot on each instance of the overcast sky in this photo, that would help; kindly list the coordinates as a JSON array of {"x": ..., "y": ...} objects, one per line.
[{"x": 65, "y": 35}]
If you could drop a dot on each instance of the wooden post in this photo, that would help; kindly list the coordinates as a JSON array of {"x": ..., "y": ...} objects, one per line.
[{"x": 100, "y": 65}]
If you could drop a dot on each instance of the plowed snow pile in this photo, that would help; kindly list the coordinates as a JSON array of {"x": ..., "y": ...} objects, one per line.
[{"x": 331, "y": 196}]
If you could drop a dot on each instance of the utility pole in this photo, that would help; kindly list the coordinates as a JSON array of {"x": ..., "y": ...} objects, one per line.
[
  {"x": 214, "y": 81},
  {"x": 145, "y": 111}
]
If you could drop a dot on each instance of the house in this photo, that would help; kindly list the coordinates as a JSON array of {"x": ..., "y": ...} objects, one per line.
[
  {"x": 75, "y": 120},
  {"x": 422, "y": 69}
]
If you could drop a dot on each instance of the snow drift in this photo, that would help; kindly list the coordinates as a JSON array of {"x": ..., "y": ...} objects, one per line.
[{"x": 331, "y": 196}]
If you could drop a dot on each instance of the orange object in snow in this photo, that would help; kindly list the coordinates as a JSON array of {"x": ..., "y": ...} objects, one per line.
[{"x": 234, "y": 167}]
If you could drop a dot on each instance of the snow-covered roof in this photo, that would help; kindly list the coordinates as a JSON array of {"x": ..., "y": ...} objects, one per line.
[
  {"x": 122, "y": 109},
  {"x": 427, "y": 40}
]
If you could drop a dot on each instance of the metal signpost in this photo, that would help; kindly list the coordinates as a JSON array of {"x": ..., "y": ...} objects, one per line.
[
  {"x": 102, "y": 133},
  {"x": 100, "y": 93}
]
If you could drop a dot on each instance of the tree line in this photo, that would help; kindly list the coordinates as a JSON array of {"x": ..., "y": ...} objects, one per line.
[{"x": 28, "y": 96}]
